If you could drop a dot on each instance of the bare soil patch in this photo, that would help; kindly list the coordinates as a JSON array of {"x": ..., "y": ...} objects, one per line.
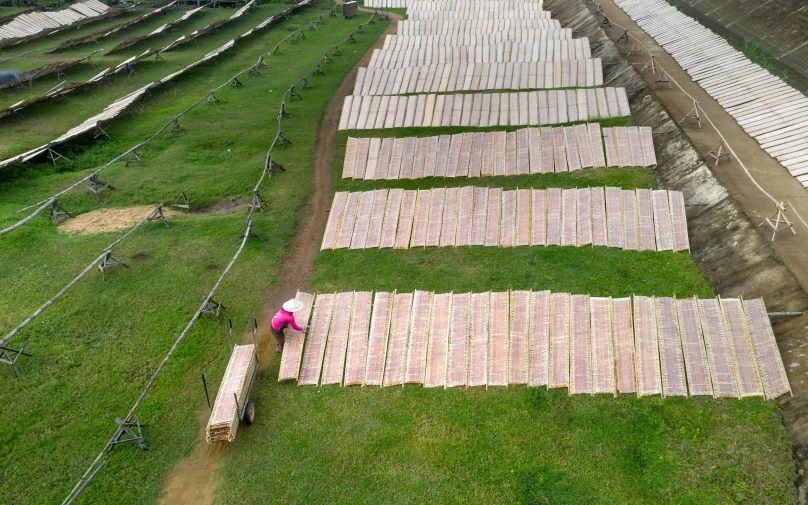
[{"x": 107, "y": 220}]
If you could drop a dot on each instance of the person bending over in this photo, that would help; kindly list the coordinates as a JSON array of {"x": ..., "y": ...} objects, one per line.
[{"x": 283, "y": 318}]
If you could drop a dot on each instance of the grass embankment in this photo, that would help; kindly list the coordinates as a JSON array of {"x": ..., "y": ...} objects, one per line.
[
  {"x": 506, "y": 445},
  {"x": 95, "y": 348}
]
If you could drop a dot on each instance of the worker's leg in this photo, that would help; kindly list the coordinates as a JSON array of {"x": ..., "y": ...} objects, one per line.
[{"x": 279, "y": 338}]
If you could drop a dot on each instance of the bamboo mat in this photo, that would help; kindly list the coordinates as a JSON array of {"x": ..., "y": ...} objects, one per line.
[{"x": 592, "y": 345}]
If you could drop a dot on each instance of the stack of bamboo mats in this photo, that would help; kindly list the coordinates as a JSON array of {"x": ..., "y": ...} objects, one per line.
[{"x": 224, "y": 417}]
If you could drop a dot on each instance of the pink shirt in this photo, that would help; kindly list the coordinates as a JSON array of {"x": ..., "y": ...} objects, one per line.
[{"x": 282, "y": 318}]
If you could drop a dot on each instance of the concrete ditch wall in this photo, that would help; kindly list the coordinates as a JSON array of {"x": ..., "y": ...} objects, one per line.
[{"x": 727, "y": 246}]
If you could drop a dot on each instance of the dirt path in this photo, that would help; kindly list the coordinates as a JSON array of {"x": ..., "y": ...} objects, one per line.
[
  {"x": 766, "y": 170},
  {"x": 193, "y": 481}
]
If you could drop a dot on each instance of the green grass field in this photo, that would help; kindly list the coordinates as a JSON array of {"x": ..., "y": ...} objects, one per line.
[{"x": 95, "y": 349}]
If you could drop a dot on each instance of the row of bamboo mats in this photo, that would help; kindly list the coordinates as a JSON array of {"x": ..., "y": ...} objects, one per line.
[
  {"x": 443, "y": 6},
  {"x": 634, "y": 220},
  {"x": 478, "y": 26},
  {"x": 443, "y": 78},
  {"x": 520, "y": 152},
  {"x": 522, "y": 108},
  {"x": 505, "y": 52},
  {"x": 642, "y": 345},
  {"x": 769, "y": 109}
]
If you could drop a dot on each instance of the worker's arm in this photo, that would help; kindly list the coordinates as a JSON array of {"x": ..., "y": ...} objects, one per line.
[{"x": 294, "y": 325}]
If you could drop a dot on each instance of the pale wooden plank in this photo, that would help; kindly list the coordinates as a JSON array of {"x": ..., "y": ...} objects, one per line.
[
  {"x": 523, "y": 218},
  {"x": 358, "y": 339},
  {"x": 511, "y": 150},
  {"x": 457, "y": 368},
  {"x": 599, "y": 228},
  {"x": 363, "y": 213},
  {"x": 662, "y": 220},
  {"x": 695, "y": 355},
  {"x": 478, "y": 339},
  {"x": 580, "y": 346},
  {"x": 560, "y": 152},
  {"x": 507, "y": 235},
  {"x": 571, "y": 148},
  {"x": 499, "y": 339},
  {"x": 568, "y": 218},
  {"x": 448, "y": 233},
  {"x": 559, "y": 341},
  {"x": 349, "y": 164},
  {"x": 596, "y": 143},
  {"x": 554, "y": 197},
  {"x": 624, "y": 345},
  {"x": 534, "y": 150},
  {"x": 377, "y": 338},
  {"x": 645, "y": 219},
  {"x": 519, "y": 347},
  {"x": 337, "y": 343},
  {"x": 464, "y": 159},
  {"x": 476, "y": 160},
  {"x": 649, "y": 379},
  {"x": 772, "y": 372},
  {"x": 499, "y": 153},
  {"x": 631, "y": 239},
  {"x": 431, "y": 159},
  {"x": 419, "y": 337},
  {"x": 670, "y": 348},
  {"x": 718, "y": 350},
  {"x": 443, "y": 155},
  {"x": 743, "y": 356},
  {"x": 405, "y": 220},
  {"x": 334, "y": 218},
  {"x": 480, "y": 217},
  {"x": 390, "y": 224},
  {"x": 315, "y": 342},
  {"x": 435, "y": 217},
  {"x": 422, "y": 204},
  {"x": 487, "y": 168},
  {"x": 395, "y": 362},
  {"x": 583, "y": 209},
  {"x": 492, "y": 229},
  {"x": 395, "y": 159},
  {"x": 438, "y": 346},
  {"x": 681, "y": 240},
  {"x": 538, "y": 218},
  {"x": 602, "y": 357},
  {"x": 614, "y": 217},
  {"x": 345, "y": 232}
]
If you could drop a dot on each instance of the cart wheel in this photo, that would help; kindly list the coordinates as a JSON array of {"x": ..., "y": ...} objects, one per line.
[{"x": 249, "y": 415}]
